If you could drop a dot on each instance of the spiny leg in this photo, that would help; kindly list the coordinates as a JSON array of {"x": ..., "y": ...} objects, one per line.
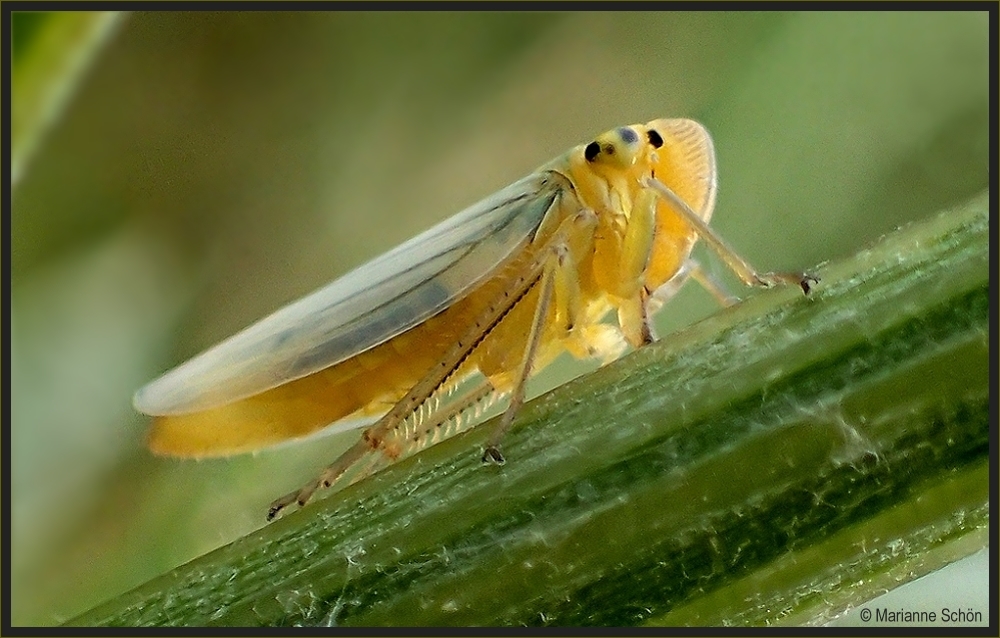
[
  {"x": 424, "y": 428},
  {"x": 429, "y": 428},
  {"x": 747, "y": 273},
  {"x": 374, "y": 438},
  {"x": 447, "y": 420},
  {"x": 580, "y": 223}
]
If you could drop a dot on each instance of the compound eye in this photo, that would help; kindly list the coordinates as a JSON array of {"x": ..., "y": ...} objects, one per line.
[
  {"x": 654, "y": 138},
  {"x": 592, "y": 151}
]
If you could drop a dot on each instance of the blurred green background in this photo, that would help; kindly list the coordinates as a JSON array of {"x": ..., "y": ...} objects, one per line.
[{"x": 195, "y": 171}]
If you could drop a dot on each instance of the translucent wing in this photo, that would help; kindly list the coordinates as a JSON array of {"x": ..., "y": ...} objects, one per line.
[{"x": 362, "y": 309}]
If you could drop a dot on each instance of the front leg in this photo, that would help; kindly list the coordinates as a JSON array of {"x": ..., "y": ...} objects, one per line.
[{"x": 740, "y": 267}]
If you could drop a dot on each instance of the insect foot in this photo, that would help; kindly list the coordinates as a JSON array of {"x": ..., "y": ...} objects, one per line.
[
  {"x": 493, "y": 456},
  {"x": 805, "y": 281}
]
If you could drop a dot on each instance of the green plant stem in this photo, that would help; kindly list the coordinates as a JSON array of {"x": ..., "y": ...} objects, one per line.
[{"x": 783, "y": 459}]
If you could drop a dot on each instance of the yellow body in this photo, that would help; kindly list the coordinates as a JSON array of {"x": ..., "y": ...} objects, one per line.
[{"x": 625, "y": 244}]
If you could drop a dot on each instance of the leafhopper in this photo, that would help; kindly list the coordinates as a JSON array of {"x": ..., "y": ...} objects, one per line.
[{"x": 467, "y": 310}]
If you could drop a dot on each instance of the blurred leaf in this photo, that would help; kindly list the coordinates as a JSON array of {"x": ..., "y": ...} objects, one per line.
[
  {"x": 52, "y": 51},
  {"x": 79, "y": 332}
]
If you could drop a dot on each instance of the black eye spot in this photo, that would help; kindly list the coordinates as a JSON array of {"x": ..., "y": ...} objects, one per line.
[
  {"x": 627, "y": 135},
  {"x": 592, "y": 151},
  {"x": 654, "y": 138}
]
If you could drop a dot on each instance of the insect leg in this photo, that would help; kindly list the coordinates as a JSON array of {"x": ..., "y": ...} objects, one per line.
[
  {"x": 690, "y": 269},
  {"x": 747, "y": 274},
  {"x": 450, "y": 418},
  {"x": 375, "y": 437},
  {"x": 301, "y": 496},
  {"x": 575, "y": 237},
  {"x": 492, "y": 452},
  {"x": 637, "y": 245},
  {"x": 566, "y": 294},
  {"x": 711, "y": 284}
]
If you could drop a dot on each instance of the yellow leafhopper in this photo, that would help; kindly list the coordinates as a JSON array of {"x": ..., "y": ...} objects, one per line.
[{"x": 467, "y": 310}]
